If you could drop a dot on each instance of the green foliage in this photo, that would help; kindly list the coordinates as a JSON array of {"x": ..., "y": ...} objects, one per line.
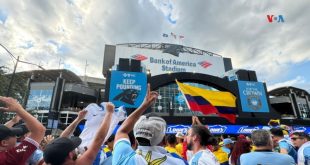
[
  {"x": 19, "y": 84},
  {"x": 4, "y": 81}
]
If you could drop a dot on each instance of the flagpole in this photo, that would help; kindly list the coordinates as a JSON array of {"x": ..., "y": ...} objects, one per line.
[{"x": 193, "y": 114}]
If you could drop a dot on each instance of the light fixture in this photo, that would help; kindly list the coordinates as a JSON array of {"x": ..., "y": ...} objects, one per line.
[{"x": 159, "y": 107}]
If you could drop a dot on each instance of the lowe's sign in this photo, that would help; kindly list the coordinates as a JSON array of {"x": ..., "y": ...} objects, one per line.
[
  {"x": 173, "y": 129},
  {"x": 247, "y": 130},
  {"x": 225, "y": 129},
  {"x": 217, "y": 129}
]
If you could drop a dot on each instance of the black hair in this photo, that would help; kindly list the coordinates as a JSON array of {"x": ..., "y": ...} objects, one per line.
[
  {"x": 301, "y": 134},
  {"x": 204, "y": 134},
  {"x": 277, "y": 132},
  {"x": 171, "y": 139},
  {"x": 111, "y": 138},
  {"x": 132, "y": 138}
]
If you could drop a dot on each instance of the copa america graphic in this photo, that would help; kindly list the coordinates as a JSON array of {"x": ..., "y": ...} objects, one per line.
[{"x": 254, "y": 102}]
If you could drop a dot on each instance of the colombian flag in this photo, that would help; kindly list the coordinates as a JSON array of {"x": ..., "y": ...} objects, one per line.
[{"x": 210, "y": 102}]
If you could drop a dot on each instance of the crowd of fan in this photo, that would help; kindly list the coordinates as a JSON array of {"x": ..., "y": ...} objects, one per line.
[{"x": 142, "y": 139}]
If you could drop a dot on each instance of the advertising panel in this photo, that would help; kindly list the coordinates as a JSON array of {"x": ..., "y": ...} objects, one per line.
[
  {"x": 173, "y": 129},
  {"x": 224, "y": 129},
  {"x": 253, "y": 96},
  {"x": 127, "y": 88},
  {"x": 162, "y": 63}
]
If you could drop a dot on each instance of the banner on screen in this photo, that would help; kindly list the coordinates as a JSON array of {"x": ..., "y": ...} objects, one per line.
[
  {"x": 127, "y": 88},
  {"x": 253, "y": 96}
]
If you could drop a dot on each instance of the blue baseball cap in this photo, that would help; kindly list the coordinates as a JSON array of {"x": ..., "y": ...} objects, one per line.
[{"x": 227, "y": 141}]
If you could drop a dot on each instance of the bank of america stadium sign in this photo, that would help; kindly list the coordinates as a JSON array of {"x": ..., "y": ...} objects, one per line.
[{"x": 160, "y": 63}]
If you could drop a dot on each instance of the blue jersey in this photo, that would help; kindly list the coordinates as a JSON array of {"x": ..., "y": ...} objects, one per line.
[
  {"x": 204, "y": 157},
  {"x": 263, "y": 158},
  {"x": 123, "y": 154},
  {"x": 304, "y": 154},
  {"x": 285, "y": 144}
]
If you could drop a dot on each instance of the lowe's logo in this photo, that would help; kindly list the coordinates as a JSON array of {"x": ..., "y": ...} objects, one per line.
[
  {"x": 217, "y": 129},
  {"x": 177, "y": 128},
  {"x": 300, "y": 129},
  {"x": 247, "y": 130},
  {"x": 272, "y": 18}
]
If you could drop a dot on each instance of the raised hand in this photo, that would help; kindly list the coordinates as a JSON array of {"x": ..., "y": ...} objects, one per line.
[
  {"x": 11, "y": 105},
  {"x": 16, "y": 119},
  {"x": 48, "y": 138},
  {"x": 110, "y": 107},
  {"x": 81, "y": 114},
  {"x": 150, "y": 97},
  {"x": 193, "y": 120}
]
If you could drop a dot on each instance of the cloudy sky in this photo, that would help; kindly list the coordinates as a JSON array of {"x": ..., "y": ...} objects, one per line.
[{"x": 66, "y": 33}]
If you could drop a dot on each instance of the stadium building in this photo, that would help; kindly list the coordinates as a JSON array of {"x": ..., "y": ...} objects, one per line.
[
  {"x": 166, "y": 62},
  {"x": 55, "y": 96}
]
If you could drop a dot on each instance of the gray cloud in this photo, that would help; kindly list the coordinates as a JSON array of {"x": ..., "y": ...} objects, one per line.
[{"x": 235, "y": 29}]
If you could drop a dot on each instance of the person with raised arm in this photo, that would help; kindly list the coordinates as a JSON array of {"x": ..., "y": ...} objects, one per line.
[
  {"x": 70, "y": 129},
  {"x": 9, "y": 152},
  {"x": 198, "y": 138},
  {"x": 13, "y": 121},
  {"x": 62, "y": 150},
  {"x": 149, "y": 131}
]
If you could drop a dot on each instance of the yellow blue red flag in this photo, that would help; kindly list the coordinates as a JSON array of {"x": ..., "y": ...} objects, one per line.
[{"x": 210, "y": 102}]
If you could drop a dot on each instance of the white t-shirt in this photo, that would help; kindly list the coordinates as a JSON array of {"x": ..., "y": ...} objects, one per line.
[
  {"x": 204, "y": 157},
  {"x": 94, "y": 117}
]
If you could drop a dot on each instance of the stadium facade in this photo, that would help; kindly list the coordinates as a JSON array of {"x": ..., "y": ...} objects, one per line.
[
  {"x": 55, "y": 96},
  {"x": 166, "y": 62}
]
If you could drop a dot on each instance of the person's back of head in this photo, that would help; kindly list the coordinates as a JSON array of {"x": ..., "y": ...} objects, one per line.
[
  {"x": 59, "y": 149},
  {"x": 150, "y": 130},
  {"x": 205, "y": 136},
  {"x": 242, "y": 146},
  {"x": 278, "y": 132},
  {"x": 171, "y": 139},
  {"x": 261, "y": 138}
]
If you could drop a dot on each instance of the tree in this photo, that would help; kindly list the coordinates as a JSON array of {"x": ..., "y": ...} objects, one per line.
[
  {"x": 3, "y": 81},
  {"x": 19, "y": 84}
]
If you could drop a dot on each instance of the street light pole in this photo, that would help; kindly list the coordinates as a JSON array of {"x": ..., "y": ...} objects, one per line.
[
  {"x": 2, "y": 115},
  {"x": 13, "y": 74}
]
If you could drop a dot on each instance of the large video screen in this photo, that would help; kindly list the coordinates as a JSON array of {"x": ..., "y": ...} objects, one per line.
[{"x": 39, "y": 99}]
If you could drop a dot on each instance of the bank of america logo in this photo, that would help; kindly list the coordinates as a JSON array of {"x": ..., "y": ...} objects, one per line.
[
  {"x": 139, "y": 57},
  {"x": 204, "y": 64}
]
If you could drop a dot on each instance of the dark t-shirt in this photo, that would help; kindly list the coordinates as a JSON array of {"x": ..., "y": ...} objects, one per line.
[{"x": 19, "y": 154}]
